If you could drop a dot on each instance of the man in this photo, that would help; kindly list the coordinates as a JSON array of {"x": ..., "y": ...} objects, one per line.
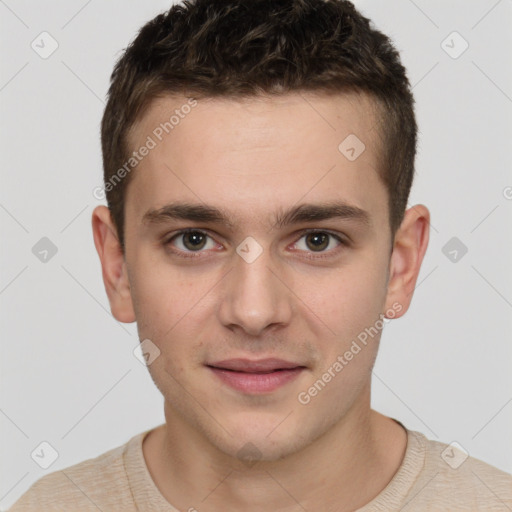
[{"x": 258, "y": 158}]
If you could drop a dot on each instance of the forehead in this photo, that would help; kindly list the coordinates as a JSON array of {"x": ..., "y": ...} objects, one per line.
[{"x": 250, "y": 154}]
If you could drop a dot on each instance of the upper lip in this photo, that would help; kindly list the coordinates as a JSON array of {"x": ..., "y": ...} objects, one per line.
[{"x": 260, "y": 365}]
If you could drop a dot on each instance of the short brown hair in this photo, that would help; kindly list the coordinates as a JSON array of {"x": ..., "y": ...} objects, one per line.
[{"x": 242, "y": 48}]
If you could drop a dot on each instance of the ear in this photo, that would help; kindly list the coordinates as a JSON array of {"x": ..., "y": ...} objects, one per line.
[
  {"x": 113, "y": 264},
  {"x": 410, "y": 245}
]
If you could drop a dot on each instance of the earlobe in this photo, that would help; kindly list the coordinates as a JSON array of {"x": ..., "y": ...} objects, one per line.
[
  {"x": 410, "y": 245},
  {"x": 113, "y": 265}
]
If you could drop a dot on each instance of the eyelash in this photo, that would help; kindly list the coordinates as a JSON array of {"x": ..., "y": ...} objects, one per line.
[{"x": 319, "y": 255}]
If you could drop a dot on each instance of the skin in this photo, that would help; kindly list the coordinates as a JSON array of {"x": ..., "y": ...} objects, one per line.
[{"x": 255, "y": 158}]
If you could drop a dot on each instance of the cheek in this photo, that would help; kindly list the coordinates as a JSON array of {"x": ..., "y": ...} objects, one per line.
[
  {"x": 161, "y": 296},
  {"x": 349, "y": 298},
  {"x": 153, "y": 304},
  {"x": 171, "y": 311}
]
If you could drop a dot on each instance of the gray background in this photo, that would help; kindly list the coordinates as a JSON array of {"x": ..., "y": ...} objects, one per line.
[{"x": 68, "y": 373}]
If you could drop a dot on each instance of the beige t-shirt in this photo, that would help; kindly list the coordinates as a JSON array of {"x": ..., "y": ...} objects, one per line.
[{"x": 119, "y": 480}]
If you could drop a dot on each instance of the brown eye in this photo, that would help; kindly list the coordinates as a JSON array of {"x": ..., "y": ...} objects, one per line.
[
  {"x": 317, "y": 241},
  {"x": 190, "y": 241},
  {"x": 194, "y": 240}
]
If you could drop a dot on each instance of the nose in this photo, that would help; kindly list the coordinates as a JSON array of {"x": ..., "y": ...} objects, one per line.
[{"x": 254, "y": 298}]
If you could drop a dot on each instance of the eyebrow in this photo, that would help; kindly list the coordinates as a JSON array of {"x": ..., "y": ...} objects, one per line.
[{"x": 294, "y": 215}]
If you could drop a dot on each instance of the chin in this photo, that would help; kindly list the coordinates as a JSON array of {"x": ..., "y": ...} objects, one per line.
[{"x": 252, "y": 441}]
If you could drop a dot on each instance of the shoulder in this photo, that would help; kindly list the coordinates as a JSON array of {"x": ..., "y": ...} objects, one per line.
[
  {"x": 451, "y": 477},
  {"x": 99, "y": 483}
]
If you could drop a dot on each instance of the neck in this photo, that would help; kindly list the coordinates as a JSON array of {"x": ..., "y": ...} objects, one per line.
[{"x": 343, "y": 470}]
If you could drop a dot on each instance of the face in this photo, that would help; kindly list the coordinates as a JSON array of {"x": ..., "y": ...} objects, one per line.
[{"x": 286, "y": 256}]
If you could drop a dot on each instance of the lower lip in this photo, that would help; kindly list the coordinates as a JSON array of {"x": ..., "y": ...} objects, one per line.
[{"x": 256, "y": 382}]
